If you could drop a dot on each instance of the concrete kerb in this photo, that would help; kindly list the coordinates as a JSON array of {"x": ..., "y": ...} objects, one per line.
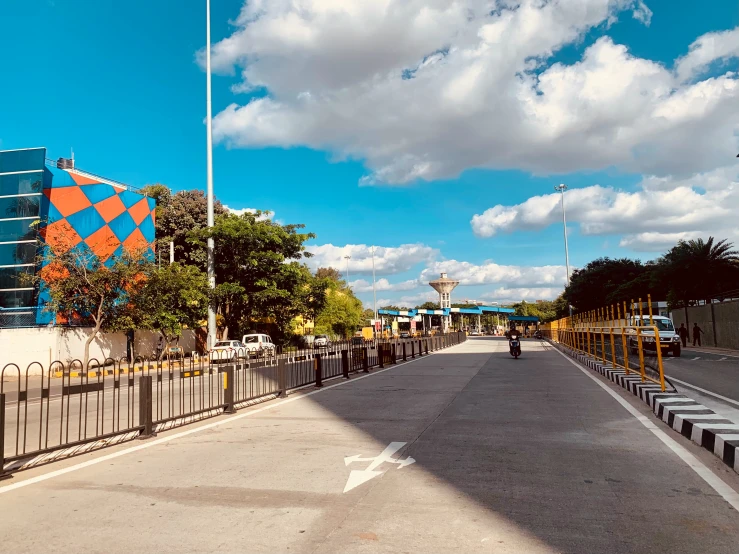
[{"x": 691, "y": 419}]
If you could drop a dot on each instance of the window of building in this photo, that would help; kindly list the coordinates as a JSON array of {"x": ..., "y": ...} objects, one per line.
[
  {"x": 10, "y": 277},
  {"x": 13, "y": 230},
  {"x": 21, "y": 183},
  {"x": 22, "y": 160},
  {"x": 20, "y": 206},
  {"x": 14, "y": 253},
  {"x": 19, "y": 298}
]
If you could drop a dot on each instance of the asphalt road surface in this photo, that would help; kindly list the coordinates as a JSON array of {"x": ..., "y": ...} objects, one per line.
[
  {"x": 466, "y": 450},
  {"x": 714, "y": 373}
]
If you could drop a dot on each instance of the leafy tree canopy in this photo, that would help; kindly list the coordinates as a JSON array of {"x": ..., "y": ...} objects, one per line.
[
  {"x": 177, "y": 215},
  {"x": 173, "y": 298},
  {"x": 259, "y": 274}
]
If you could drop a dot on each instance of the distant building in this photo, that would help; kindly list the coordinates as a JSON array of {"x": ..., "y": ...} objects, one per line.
[{"x": 67, "y": 206}]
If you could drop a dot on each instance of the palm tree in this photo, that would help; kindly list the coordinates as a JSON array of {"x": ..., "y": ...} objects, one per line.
[{"x": 698, "y": 269}]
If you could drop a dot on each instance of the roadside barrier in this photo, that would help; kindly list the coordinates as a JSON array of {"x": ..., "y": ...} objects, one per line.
[
  {"x": 631, "y": 342},
  {"x": 113, "y": 401}
]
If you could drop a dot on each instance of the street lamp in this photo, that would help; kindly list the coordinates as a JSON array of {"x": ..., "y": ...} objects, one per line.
[
  {"x": 209, "y": 190},
  {"x": 347, "y": 258},
  {"x": 374, "y": 292},
  {"x": 562, "y": 188}
]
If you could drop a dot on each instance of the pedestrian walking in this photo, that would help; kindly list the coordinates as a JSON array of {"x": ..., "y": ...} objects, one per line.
[
  {"x": 697, "y": 332},
  {"x": 683, "y": 333}
]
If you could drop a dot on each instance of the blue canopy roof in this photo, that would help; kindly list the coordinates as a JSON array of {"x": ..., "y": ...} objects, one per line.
[{"x": 477, "y": 310}]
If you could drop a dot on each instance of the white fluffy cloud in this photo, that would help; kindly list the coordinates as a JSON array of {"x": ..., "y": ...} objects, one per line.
[
  {"x": 388, "y": 260},
  {"x": 266, "y": 214},
  {"x": 383, "y": 284},
  {"x": 663, "y": 211},
  {"x": 504, "y": 295},
  {"x": 708, "y": 48},
  {"x": 491, "y": 273},
  {"x": 428, "y": 88}
]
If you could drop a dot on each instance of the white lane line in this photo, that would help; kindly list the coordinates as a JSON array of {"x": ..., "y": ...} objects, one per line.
[
  {"x": 715, "y": 353},
  {"x": 713, "y": 480},
  {"x": 155, "y": 442},
  {"x": 722, "y": 359},
  {"x": 696, "y": 358},
  {"x": 704, "y": 391}
]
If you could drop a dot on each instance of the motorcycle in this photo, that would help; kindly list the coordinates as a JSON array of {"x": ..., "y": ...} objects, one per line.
[{"x": 514, "y": 345}]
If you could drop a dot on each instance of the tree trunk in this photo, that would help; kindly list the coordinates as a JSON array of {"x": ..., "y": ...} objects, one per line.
[{"x": 88, "y": 342}]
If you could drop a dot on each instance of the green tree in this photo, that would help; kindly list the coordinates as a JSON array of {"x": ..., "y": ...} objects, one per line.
[
  {"x": 428, "y": 306},
  {"x": 177, "y": 215},
  {"x": 341, "y": 315},
  {"x": 699, "y": 270},
  {"x": 260, "y": 262},
  {"x": 367, "y": 316},
  {"x": 522, "y": 308},
  {"x": 606, "y": 281},
  {"x": 172, "y": 298},
  {"x": 328, "y": 273},
  {"x": 86, "y": 290}
]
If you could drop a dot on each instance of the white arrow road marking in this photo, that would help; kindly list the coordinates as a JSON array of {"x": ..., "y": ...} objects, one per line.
[{"x": 357, "y": 477}]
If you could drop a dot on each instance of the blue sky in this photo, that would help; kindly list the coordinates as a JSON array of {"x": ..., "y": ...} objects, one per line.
[{"x": 119, "y": 83}]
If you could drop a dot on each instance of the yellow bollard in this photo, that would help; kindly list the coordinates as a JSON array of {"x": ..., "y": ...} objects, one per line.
[
  {"x": 659, "y": 359},
  {"x": 641, "y": 354}
]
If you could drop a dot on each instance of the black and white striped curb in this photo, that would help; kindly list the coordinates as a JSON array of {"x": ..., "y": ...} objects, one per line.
[{"x": 700, "y": 424}]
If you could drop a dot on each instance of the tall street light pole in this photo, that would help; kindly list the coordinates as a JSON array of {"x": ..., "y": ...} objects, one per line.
[
  {"x": 347, "y": 258},
  {"x": 374, "y": 292},
  {"x": 562, "y": 188},
  {"x": 209, "y": 190}
]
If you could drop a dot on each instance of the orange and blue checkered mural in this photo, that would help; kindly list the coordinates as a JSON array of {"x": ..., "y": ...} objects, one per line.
[{"x": 84, "y": 211}]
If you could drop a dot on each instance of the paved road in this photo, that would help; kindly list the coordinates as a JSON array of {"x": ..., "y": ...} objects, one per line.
[
  {"x": 483, "y": 453},
  {"x": 715, "y": 373}
]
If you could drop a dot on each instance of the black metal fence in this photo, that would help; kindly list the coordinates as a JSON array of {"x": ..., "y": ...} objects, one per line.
[{"x": 51, "y": 413}]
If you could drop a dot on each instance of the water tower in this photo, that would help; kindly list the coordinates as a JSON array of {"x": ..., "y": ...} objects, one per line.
[{"x": 444, "y": 286}]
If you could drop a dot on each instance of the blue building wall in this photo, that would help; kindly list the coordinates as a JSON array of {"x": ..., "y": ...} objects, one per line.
[{"x": 67, "y": 208}]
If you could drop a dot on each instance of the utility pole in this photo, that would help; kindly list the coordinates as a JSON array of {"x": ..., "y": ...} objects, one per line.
[
  {"x": 562, "y": 188},
  {"x": 347, "y": 258},
  {"x": 374, "y": 291},
  {"x": 209, "y": 190}
]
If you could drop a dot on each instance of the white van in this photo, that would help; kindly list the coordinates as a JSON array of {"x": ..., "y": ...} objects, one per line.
[
  {"x": 669, "y": 340},
  {"x": 258, "y": 344}
]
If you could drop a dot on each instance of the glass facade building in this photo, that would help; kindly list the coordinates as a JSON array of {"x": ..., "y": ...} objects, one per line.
[
  {"x": 68, "y": 207},
  {"x": 21, "y": 191}
]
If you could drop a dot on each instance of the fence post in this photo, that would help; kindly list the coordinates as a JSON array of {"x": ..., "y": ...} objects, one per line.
[
  {"x": 413, "y": 349},
  {"x": 282, "y": 378},
  {"x": 393, "y": 355},
  {"x": 145, "y": 407},
  {"x": 319, "y": 370},
  {"x": 381, "y": 355},
  {"x": 228, "y": 390},
  {"x": 2, "y": 438},
  {"x": 345, "y": 363},
  {"x": 365, "y": 360},
  {"x": 405, "y": 357},
  {"x": 426, "y": 345}
]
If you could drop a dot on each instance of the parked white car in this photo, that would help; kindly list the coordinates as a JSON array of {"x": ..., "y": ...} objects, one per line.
[
  {"x": 668, "y": 338},
  {"x": 227, "y": 351},
  {"x": 321, "y": 341},
  {"x": 258, "y": 344}
]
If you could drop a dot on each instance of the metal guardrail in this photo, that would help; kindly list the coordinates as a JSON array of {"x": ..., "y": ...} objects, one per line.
[
  {"x": 47, "y": 414},
  {"x": 605, "y": 336}
]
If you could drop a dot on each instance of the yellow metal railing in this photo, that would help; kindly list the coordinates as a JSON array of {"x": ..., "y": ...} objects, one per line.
[{"x": 598, "y": 333}]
